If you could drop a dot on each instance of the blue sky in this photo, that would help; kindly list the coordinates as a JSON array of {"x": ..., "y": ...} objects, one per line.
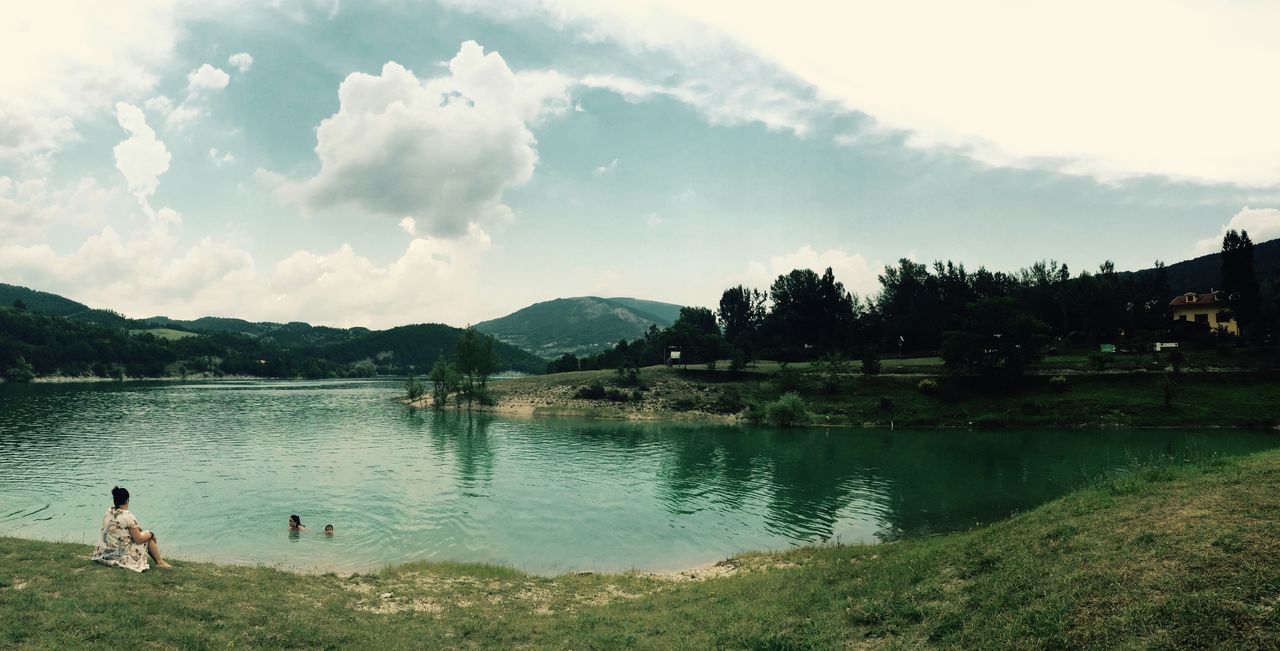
[{"x": 392, "y": 162}]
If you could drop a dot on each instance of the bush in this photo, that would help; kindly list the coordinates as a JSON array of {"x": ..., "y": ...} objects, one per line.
[
  {"x": 21, "y": 371},
  {"x": 754, "y": 412},
  {"x": 787, "y": 411},
  {"x": 485, "y": 397},
  {"x": 871, "y": 362},
  {"x": 593, "y": 390},
  {"x": 1058, "y": 383},
  {"x": 927, "y": 387},
  {"x": 414, "y": 388},
  {"x": 885, "y": 405},
  {"x": 1098, "y": 361},
  {"x": 684, "y": 403},
  {"x": 616, "y": 395},
  {"x": 1176, "y": 361},
  {"x": 787, "y": 380},
  {"x": 729, "y": 401}
]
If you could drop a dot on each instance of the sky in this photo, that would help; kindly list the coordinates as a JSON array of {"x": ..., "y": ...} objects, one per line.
[{"x": 390, "y": 162}]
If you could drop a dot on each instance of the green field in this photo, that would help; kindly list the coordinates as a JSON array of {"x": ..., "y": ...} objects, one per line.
[
  {"x": 1171, "y": 557},
  {"x": 166, "y": 333}
]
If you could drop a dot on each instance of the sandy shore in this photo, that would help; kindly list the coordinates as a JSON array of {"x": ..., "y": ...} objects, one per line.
[{"x": 540, "y": 400}]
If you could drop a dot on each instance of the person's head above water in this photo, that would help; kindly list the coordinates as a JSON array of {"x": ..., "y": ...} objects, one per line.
[
  {"x": 328, "y": 528},
  {"x": 119, "y": 496},
  {"x": 295, "y": 522}
]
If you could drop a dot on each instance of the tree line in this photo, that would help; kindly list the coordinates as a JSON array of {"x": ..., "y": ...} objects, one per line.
[{"x": 979, "y": 321}]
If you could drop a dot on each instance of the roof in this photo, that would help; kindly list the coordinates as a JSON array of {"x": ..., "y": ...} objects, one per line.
[{"x": 1194, "y": 299}]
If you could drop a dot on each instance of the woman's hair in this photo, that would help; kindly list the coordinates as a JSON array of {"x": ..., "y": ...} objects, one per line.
[
  {"x": 328, "y": 527},
  {"x": 296, "y": 519},
  {"x": 120, "y": 496}
]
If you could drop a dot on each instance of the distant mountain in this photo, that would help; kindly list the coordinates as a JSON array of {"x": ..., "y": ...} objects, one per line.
[
  {"x": 59, "y": 335},
  {"x": 584, "y": 324},
  {"x": 1205, "y": 272},
  {"x": 54, "y": 305}
]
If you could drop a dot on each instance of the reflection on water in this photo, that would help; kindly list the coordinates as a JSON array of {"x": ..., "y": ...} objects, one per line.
[{"x": 216, "y": 468}]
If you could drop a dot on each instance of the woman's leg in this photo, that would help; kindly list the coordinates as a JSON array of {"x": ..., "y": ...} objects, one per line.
[{"x": 154, "y": 550}]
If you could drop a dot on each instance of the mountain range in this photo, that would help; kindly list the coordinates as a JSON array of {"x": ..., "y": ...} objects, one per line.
[{"x": 579, "y": 325}]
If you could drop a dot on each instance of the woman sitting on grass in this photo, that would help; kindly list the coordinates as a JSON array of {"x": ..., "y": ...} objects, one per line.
[{"x": 123, "y": 542}]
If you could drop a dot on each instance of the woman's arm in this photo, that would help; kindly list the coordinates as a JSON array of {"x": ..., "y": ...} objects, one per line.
[{"x": 140, "y": 536}]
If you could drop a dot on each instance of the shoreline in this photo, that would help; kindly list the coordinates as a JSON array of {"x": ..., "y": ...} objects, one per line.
[
  {"x": 1170, "y": 556},
  {"x": 1105, "y": 401}
]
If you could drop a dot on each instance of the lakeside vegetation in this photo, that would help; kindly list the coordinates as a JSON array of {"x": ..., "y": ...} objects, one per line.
[
  {"x": 923, "y": 396},
  {"x": 1174, "y": 556},
  {"x": 981, "y": 323}
]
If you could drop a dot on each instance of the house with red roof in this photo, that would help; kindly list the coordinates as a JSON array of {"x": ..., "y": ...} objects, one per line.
[{"x": 1210, "y": 309}]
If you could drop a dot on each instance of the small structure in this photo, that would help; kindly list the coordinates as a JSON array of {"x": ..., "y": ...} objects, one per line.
[
  {"x": 1207, "y": 309},
  {"x": 673, "y": 355}
]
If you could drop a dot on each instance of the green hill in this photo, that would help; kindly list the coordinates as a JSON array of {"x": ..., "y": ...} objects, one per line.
[
  {"x": 584, "y": 324},
  {"x": 59, "y": 336},
  {"x": 1205, "y": 272}
]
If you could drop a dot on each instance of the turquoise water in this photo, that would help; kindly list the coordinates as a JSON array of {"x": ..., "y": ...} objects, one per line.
[{"x": 216, "y": 468}]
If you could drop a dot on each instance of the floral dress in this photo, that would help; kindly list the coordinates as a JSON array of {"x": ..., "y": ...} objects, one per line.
[{"x": 116, "y": 547}]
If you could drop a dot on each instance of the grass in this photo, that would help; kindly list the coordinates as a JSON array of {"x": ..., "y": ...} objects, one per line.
[
  {"x": 166, "y": 333},
  {"x": 1170, "y": 557},
  {"x": 1200, "y": 399}
]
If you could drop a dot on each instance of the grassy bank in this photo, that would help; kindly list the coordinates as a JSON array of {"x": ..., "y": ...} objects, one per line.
[
  {"x": 1176, "y": 556},
  {"x": 1131, "y": 399}
]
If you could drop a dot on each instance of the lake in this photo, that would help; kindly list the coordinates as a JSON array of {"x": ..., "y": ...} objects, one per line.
[{"x": 217, "y": 467}]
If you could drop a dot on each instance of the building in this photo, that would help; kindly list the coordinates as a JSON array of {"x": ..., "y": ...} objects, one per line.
[{"x": 1204, "y": 308}]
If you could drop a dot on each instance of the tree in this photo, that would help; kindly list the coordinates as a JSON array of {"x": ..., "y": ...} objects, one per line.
[
  {"x": 741, "y": 313},
  {"x": 444, "y": 380},
  {"x": 566, "y": 362},
  {"x": 810, "y": 313},
  {"x": 1239, "y": 280},
  {"x": 475, "y": 362},
  {"x": 21, "y": 371},
  {"x": 996, "y": 337},
  {"x": 19, "y": 304}
]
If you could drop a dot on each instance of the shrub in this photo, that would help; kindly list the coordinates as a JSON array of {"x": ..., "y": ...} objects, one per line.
[
  {"x": 1058, "y": 383},
  {"x": 871, "y": 362},
  {"x": 885, "y": 405},
  {"x": 1098, "y": 361},
  {"x": 485, "y": 397},
  {"x": 414, "y": 388},
  {"x": 787, "y": 411},
  {"x": 927, "y": 386},
  {"x": 754, "y": 412},
  {"x": 1176, "y": 361},
  {"x": 738, "y": 361},
  {"x": 684, "y": 403},
  {"x": 593, "y": 390},
  {"x": 729, "y": 401},
  {"x": 616, "y": 395},
  {"x": 21, "y": 371},
  {"x": 787, "y": 380},
  {"x": 830, "y": 369}
]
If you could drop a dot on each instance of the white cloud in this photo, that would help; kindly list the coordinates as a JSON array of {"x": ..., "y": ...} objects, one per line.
[
  {"x": 32, "y": 208},
  {"x": 141, "y": 158},
  {"x": 1263, "y": 224},
  {"x": 653, "y": 219},
  {"x": 605, "y": 170},
  {"x": 442, "y": 151},
  {"x": 858, "y": 275},
  {"x": 241, "y": 61},
  {"x": 159, "y": 104},
  {"x": 220, "y": 158},
  {"x": 66, "y": 60},
  {"x": 1167, "y": 87},
  {"x": 148, "y": 273},
  {"x": 206, "y": 78}
]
